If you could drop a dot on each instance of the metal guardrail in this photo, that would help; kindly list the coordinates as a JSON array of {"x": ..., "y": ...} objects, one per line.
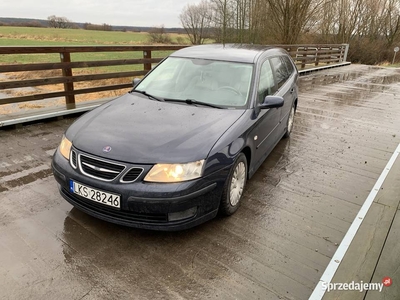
[{"x": 304, "y": 56}]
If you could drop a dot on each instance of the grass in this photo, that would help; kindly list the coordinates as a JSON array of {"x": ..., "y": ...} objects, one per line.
[
  {"x": 53, "y": 36},
  {"x": 389, "y": 65},
  {"x": 27, "y": 36}
]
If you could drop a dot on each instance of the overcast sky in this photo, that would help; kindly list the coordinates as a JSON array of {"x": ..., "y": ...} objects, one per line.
[{"x": 114, "y": 12}]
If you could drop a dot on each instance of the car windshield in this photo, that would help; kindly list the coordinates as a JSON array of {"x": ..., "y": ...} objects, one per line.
[{"x": 219, "y": 83}]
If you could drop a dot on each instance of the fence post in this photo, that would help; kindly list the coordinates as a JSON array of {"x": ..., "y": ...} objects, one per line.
[
  {"x": 317, "y": 56},
  {"x": 330, "y": 55},
  {"x": 68, "y": 86},
  {"x": 147, "y": 55},
  {"x": 346, "y": 51},
  {"x": 303, "y": 63}
]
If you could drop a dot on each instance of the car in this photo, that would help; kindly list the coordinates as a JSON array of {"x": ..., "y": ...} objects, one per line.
[{"x": 179, "y": 147}]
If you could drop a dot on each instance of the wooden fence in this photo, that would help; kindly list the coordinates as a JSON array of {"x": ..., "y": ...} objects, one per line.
[
  {"x": 304, "y": 56},
  {"x": 307, "y": 55}
]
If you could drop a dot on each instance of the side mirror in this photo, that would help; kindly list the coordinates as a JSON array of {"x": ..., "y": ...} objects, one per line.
[
  {"x": 272, "y": 102},
  {"x": 135, "y": 82}
]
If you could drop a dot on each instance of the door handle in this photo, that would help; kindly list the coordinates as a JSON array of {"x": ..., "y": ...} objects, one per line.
[{"x": 292, "y": 91}]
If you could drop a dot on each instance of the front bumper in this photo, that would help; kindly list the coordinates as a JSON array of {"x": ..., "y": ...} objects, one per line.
[{"x": 146, "y": 205}]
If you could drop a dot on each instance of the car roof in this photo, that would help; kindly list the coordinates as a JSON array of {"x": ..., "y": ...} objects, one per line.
[{"x": 245, "y": 53}]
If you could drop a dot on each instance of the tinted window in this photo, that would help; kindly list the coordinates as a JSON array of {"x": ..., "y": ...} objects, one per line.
[
  {"x": 281, "y": 72},
  {"x": 267, "y": 84}
]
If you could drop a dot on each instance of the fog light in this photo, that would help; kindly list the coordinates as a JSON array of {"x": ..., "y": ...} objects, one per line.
[{"x": 180, "y": 215}]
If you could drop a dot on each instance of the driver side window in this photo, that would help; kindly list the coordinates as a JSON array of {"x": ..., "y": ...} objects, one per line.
[{"x": 266, "y": 85}]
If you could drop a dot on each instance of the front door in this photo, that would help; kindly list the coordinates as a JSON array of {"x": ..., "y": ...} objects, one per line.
[
  {"x": 286, "y": 81},
  {"x": 265, "y": 131}
]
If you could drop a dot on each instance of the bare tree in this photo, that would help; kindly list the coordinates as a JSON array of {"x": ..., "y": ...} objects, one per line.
[
  {"x": 59, "y": 22},
  {"x": 196, "y": 20},
  {"x": 291, "y": 16},
  {"x": 242, "y": 20},
  {"x": 391, "y": 21},
  {"x": 222, "y": 19},
  {"x": 370, "y": 26}
]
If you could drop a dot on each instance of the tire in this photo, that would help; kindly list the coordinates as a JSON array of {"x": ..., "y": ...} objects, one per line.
[
  {"x": 234, "y": 186},
  {"x": 290, "y": 121}
]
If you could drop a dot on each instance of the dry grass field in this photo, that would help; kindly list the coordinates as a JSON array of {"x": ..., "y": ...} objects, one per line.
[{"x": 26, "y": 36}]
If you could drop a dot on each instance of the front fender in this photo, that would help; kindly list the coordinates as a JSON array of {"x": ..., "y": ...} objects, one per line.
[{"x": 231, "y": 143}]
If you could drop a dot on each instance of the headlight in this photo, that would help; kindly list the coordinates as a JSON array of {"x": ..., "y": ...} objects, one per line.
[
  {"x": 65, "y": 147},
  {"x": 175, "y": 172}
]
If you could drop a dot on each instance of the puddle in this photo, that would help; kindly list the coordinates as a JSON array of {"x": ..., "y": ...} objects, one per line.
[
  {"x": 24, "y": 106},
  {"x": 349, "y": 97},
  {"x": 386, "y": 79},
  {"x": 22, "y": 90},
  {"x": 30, "y": 106},
  {"x": 360, "y": 80},
  {"x": 310, "y": 82},
  {"x": 372, "y": 87}
]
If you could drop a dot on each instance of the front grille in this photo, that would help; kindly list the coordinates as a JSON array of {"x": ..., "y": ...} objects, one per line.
[
  {"x": 73, "y": 159},
  {"x": 111, "y": 213},
  {"x": 98, "y": 168},
  {"x": 132, "y": 175}
]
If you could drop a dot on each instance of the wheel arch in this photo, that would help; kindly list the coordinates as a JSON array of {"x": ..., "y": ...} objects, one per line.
[{"x": 247, "y": 152}]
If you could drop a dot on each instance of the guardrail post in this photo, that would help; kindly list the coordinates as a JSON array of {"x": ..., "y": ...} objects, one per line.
[
  {"x": 147, "y": 55},
  {"x": 317, "y": 56},
  {"x": 68, "y": 86}
]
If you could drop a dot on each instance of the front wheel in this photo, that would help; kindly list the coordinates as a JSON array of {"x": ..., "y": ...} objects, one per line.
[
  {"x": 290, "y": 121},
  {"x": 234, "y": 186}
]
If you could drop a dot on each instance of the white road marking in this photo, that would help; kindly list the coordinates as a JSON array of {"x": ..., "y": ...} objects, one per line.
[
  {"x": 333, "y": 265},
  {"x": 24, "y": 173}
]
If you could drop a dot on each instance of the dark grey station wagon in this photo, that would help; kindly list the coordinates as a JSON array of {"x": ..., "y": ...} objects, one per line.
[{"x": 180, "y": 146}]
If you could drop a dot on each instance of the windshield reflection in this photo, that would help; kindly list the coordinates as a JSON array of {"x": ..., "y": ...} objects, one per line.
[{"x": 220, "y": 83}]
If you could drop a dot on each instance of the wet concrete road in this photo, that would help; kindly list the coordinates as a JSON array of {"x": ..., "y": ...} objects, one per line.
[{"x": 295, "y": 212}]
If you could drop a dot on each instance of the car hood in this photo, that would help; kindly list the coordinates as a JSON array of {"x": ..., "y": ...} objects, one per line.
[{"x": 140, "y": 130}]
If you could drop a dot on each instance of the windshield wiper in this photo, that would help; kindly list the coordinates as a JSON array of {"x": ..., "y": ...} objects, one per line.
[
  {"x": 192, "y": 101},
  {"x": 148, "y": 95}
]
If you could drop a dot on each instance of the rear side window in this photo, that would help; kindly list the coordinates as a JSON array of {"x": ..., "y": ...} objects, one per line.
[
  {"x": 289, "y": 64},
  {"x": 281, "y": 71}
]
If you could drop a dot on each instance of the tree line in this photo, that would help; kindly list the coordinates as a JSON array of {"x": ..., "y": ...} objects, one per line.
[
  {"x": 371, "y": 27},
  {"x": 64, "y": 23}
]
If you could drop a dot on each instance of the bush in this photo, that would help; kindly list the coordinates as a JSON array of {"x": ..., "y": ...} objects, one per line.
[
  {"x": 180, "y": 40},
  {"x": 32, "y": 24},
  {"x": 58, "y": 22},
  {"x": 102, "y": 27},
  {"x": 158, "y": 35},
  {"x": 370, "y": 52},
  {"x": 363, "y": 50}
]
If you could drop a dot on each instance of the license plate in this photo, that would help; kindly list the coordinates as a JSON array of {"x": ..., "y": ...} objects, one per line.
[{"x": 95, "y": 195}]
